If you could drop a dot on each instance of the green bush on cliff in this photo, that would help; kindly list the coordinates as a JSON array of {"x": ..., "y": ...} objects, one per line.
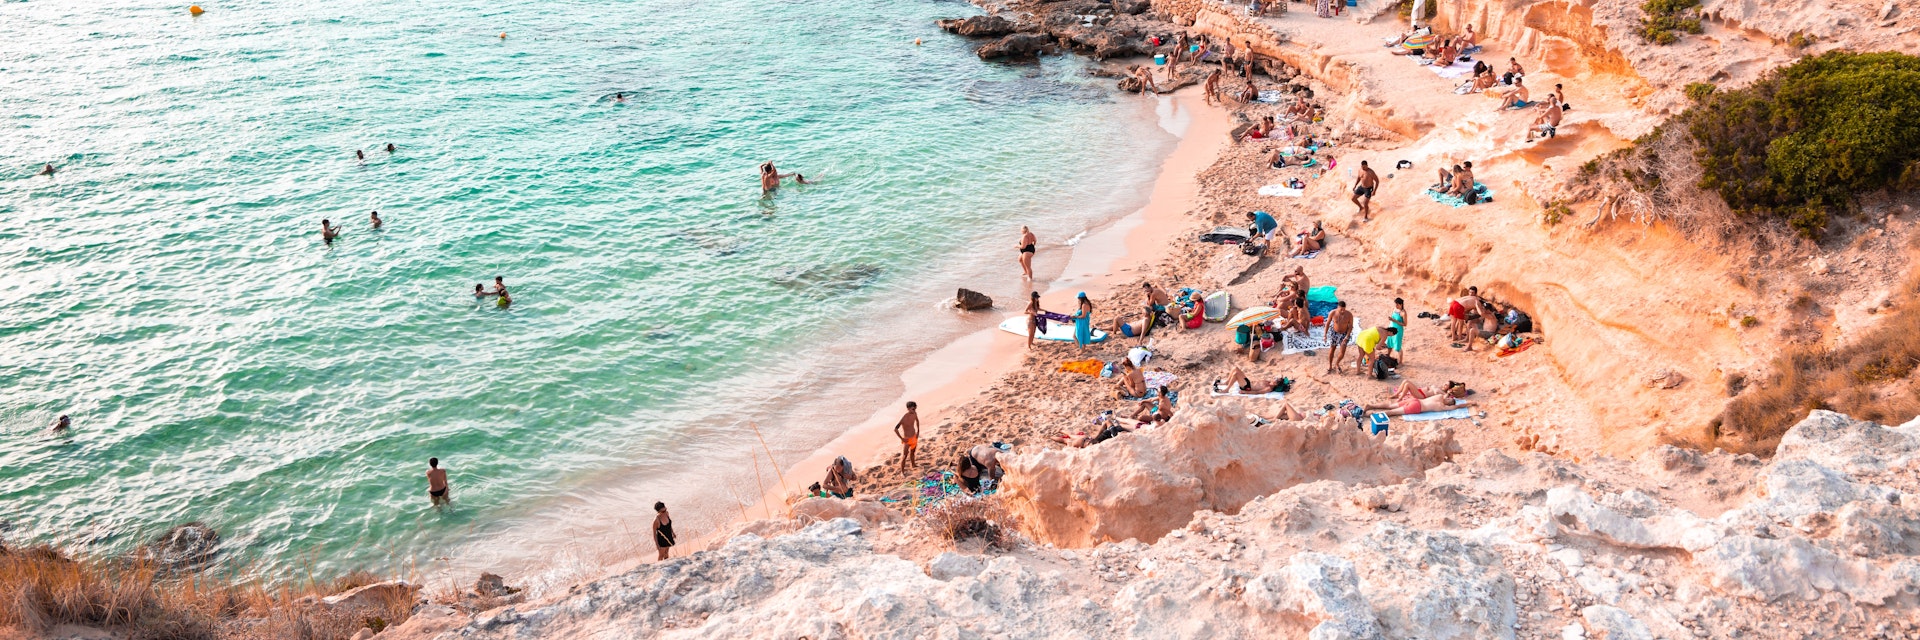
[
  {"x": 1800, "y": 142},
  {"x": 1666, "y": 17}
]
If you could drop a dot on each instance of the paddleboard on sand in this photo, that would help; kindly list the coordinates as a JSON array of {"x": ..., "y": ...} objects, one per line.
[{"x": 1061, "y": 331}]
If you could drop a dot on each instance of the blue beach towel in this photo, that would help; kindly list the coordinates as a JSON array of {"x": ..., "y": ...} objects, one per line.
[{"x": 1486, "y": 195}]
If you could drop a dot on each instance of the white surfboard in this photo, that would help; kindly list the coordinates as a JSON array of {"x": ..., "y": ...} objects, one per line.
[{"x": 1060, "y": 331}]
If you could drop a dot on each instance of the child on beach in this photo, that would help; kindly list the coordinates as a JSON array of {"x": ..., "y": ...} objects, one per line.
[{"x": 908, "y": 430}]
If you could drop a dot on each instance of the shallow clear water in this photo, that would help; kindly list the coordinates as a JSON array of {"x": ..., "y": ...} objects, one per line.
[{"x": 168, "y": 288}]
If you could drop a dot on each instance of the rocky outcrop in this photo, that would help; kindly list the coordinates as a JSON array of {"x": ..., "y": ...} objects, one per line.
[
  {"x": 183, "y": 548},
  {"x": 971, "y": 300},
  {"x": 1019, "y": 45},
  {"x": 1211, "y": 458},
  {"x": 1494, "y": 547},
  {"x": 988, "y": 26}
]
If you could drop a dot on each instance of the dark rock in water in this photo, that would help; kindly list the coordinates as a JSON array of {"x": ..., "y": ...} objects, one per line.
[
  {"x": 978, "y": 26},
  {"x": 1097, "y": 41},
  {"x": 183, "y": 548},
  {"x": 972, "y": 300},
  {"x": 1019, "y": 45}
]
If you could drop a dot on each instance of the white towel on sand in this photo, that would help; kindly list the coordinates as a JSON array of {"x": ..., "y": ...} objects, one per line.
[
  {"x": 1455, "y": 70},
  {"x": 1315, "y": 340},
  {"x": 1449, "y": 414},
  {"x": 1281, "y": 190}
]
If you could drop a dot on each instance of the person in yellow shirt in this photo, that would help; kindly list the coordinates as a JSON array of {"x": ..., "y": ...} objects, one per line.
[{"x": 1369, "y": 340}]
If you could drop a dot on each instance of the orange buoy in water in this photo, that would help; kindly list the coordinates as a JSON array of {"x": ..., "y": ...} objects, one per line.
[
  {"x": 916, "y": 42},
  {"x": 196, "y": 10},
  {"x": 503, "y": 35}
]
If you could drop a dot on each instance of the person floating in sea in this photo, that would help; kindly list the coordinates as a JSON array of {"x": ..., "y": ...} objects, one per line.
[
  {"x": 663, "y": 537},
  {"x": 619, "y": 97},
  {"x": 48, "y": 170},
  {"x": 908, "y": 430},
  {"x": 436, "y": 482},
  {"x": 375, "y": 216},
  {"x": 61, "y": 425},
  {"x": 1339, "y": 333},
  {"x": 1364, "y": 187},
  {"x": 361, "y": 155},
  {"x": 1028, "y": 243},
  {"x": 390, "y": 147},
  {"x": 840, "y": 478},
  {"x": 328, "y": 232},
  {"x": 480, "y": 290}
]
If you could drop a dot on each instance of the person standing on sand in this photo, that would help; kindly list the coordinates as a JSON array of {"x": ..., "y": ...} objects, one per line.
[
  {"x": 1399, "y": 321},
  {"x": 1083, "y": 323},
  {"x": 436, "y": 482},
  {"x": 1028, "y": 244},
  {"x": 1339, "y": 333},
  {"x": 1457, "y": 327},
  {"x": 1033, "y": 316},
  {"x": 1363, "y": 189},
  {"x": 663, "y": 537},
  {"x": 908, "y": 430},
  {"x": 1212, "y": 88}
]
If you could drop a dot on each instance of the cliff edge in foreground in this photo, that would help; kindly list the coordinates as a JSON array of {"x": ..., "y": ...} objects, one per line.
[{"x": 1814, "y": 543}]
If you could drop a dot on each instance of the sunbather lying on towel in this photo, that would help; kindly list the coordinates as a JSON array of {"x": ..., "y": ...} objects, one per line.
[
  {"x": 1082, "y": 439},
  {"x": 1238, "y": 383},
  {"x": 1289, "y": 413},
  {"x": 1410, "y": 391},
  {"x": 1413, "y": 406}
]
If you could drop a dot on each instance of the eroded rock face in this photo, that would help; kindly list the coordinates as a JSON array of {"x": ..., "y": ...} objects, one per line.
[
  {"x": 978, "y": 26},
  {"x": 1493, "y": 547},
  {"x": 1211, "y": 458},
  {"x": 1019, "y": 45}
]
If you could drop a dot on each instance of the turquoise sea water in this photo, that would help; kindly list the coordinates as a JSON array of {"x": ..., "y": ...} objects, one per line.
[{"x": 169, "y": 290}]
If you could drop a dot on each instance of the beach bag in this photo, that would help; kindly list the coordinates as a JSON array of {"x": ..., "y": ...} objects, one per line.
[
  {"x": 1383, "y": 366},
  {"x": 1351, "y": 410}
]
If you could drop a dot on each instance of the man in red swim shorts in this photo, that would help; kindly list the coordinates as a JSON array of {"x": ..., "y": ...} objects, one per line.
[{"x": 1457, "y": 316}]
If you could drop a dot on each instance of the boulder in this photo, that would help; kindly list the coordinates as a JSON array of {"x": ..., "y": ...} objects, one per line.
[
  {"x": 184, "y": 547},
  {"x": 378, "y": 595},
  {"x": 1132, "y": 7},
  {"x": 1018, "y": 45},
  {"x": 493, "y": 586},
  {"x": 972, "y": 300},
  {"x": 949, "y": 565},
  {"x": 978, "y": 26}
]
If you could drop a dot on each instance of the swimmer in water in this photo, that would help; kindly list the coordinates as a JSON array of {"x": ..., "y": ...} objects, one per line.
[
  {"x": 480, "y": 290},
  {"x": 770, "y": 177},
  {"x": 376, "y": 220},
  {"x": 328, "y": 232},
  {"x": 48, "y": 170},
  {"x": 390, "y": 147},
  {"x": 61, "y": 425},
  {"x": 362, "y": 155},
  {"x": 619, "y": 97},
  {"x": 504, "y": 301},
  {"x": 499, "y": 287}
]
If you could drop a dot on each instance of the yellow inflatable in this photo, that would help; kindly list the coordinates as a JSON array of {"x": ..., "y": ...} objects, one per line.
[{"x": 196, "y": 10}]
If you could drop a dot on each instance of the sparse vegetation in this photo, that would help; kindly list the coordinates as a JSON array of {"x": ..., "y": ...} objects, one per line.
[
  {"x": 961, "y": 518},
  {"x": 1870, "y": 379},
  {"x": 44, "y": 587},
  {"x": 1749, "y": 322},
  {"x": 1554, "y": 212},
  {"x": 1665, "y": 19},
  {"x": 1793, "y": 148}
]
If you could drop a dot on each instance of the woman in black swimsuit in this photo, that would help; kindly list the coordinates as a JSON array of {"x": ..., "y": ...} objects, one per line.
[
  {"x": 1027, "y": 242},
  {"x": 662, "y": 529}
]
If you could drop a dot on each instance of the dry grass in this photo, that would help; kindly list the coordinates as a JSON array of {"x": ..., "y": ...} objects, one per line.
[
  {"x": 959, "y": 518},
  {"x": 1870, "y": 379},
  {"x": 44, "y": 588}
]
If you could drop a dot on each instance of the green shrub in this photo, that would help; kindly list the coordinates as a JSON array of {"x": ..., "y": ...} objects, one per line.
[
  {"x": 1798, "y": 143},
  {"x": 1700, "y": 91},
  {"x": 1555, "y": 212},
  {"x": 1664, "y": 17}
]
